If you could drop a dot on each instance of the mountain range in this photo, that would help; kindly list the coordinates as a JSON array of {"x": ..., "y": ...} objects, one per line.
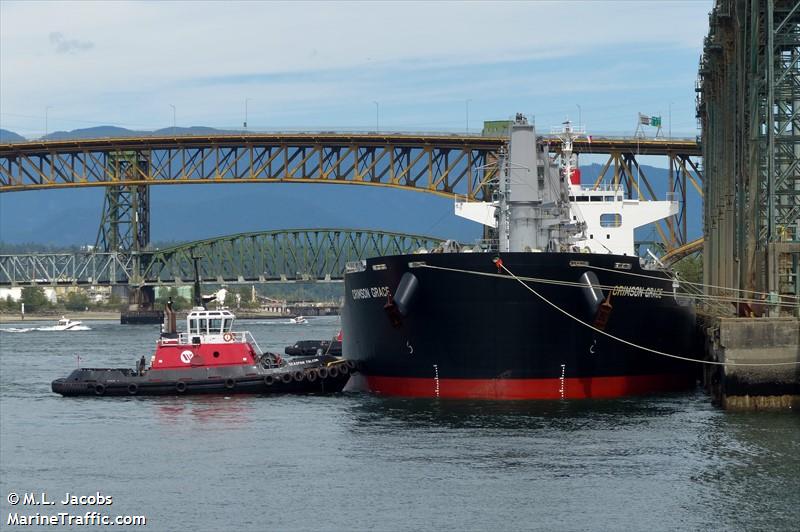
[{"x": 71, "y": 217}]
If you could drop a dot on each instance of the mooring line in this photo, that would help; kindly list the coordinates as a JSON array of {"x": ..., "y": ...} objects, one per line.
[{"x": 609, "y": 335}]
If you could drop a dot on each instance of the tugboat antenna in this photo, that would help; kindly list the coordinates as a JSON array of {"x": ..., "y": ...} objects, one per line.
[{"x": 198, "y": 298}]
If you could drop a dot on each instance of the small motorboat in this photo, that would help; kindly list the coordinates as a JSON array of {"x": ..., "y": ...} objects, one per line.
[
  {"x": 210, "y": 357},
  {"x": 298, "y": 319},
  {"x": 66, "y": 324}
]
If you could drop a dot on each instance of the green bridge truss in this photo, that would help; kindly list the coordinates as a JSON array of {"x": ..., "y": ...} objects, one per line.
[{"x": 268, "y": 256}]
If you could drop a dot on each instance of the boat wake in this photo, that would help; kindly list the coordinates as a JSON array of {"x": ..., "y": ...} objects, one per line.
[{"x": 45, "y": 329}]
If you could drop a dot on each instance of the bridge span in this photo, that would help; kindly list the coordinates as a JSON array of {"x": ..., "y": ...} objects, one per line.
[
  {"x": 446, "y": 165},
  {"x": 270, "y": 256}
]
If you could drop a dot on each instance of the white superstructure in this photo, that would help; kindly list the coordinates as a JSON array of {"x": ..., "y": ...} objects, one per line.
[
  {"x": 540, "y": 205},
  {"x": 610, "y": 219}
]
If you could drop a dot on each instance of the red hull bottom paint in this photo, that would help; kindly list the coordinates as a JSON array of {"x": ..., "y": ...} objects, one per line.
[{"x": 509, "y": 389}]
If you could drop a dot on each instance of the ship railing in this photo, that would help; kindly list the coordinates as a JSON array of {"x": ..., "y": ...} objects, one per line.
[
  {"x": 226, "y": 337},
  {"x": 603, "y": 187},
  {"x": 487, "y": 244},
  {"x": 355, "y": 266}
]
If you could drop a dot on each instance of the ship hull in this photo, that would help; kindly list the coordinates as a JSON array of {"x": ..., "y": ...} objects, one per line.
[{"x": 469, "y": 330}]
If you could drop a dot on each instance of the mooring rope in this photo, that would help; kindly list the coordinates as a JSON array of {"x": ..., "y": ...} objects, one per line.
[
  {"x": 609, "y": 335},
  {"x": 684, "y": 281}
]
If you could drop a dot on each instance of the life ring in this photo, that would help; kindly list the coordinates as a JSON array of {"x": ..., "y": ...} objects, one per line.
[
  {"x": 180, "y": 386},
  {"x": 286, "y": 378},
  {"x": 333, "y": 371},
  {"x": 269, "y": 380},
  {"x": 99, "y": 389},
  {"x": 228, "y": 337},
  {"x": 133, "y": 388},
  {"x": 230, "y": 383},
  {"x": 311, "y": 375},
  {"x": 323, "y": 373},
  {"x": 298, "y": 376}
]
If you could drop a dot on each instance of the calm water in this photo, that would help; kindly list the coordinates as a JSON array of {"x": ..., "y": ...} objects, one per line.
[{"x": 358, "y": 462}]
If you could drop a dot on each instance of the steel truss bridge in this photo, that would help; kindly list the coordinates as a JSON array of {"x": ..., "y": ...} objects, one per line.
[
  {"x": 748, "y": 103},
  {"x": 447, "y": 165},
  {"x": 270, "y": 256}
]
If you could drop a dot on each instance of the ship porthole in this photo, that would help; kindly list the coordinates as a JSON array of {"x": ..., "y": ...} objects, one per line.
[{"x": 216, "y": 354}]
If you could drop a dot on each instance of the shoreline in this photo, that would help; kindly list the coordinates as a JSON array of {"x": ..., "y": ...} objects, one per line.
[{"x": 78, "y": 316}]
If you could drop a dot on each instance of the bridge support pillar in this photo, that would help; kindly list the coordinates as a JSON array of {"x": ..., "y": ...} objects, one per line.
[
  {"x": 125, "y": 225},
  {"x": 140, "y": 307}
]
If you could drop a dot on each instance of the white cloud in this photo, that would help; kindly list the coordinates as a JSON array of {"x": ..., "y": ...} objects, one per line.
[{"x": 62, "y": 45}]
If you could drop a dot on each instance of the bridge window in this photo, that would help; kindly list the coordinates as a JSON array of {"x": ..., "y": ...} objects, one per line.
[
  {"x": 597, "y": 198},
  {"x": 193, "y": 326},
  {"x": 215, "y": 326},
  {"x": 610, "y": 220},
  {"x": 203, "y": 326},
  {"x": 582, "y": 198}
]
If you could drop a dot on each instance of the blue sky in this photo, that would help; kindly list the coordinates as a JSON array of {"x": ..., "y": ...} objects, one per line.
[{"x": 321, "y": 66}]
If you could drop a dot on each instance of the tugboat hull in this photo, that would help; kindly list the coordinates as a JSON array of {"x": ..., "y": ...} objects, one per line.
[{"x": 306, "y": 377}]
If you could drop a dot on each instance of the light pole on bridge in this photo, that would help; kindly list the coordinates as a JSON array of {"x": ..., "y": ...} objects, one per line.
[
  {"x": 46, "y": 109},
  {"x": 245, "y": 111},
  {"x": 467, "y": 106},
  {"x": 173, "y": 119}
]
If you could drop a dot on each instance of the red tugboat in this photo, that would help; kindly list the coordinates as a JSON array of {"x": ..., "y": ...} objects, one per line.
[{"x": 210, "y": 357}]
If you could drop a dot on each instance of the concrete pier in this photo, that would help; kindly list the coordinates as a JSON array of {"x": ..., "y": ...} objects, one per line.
[{"x": 754, "y": 341}]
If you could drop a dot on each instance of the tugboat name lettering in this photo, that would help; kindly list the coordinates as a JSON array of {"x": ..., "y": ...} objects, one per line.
[
  {"x": 369, "y": 293},
  {"x": 637, "y": 291}
]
